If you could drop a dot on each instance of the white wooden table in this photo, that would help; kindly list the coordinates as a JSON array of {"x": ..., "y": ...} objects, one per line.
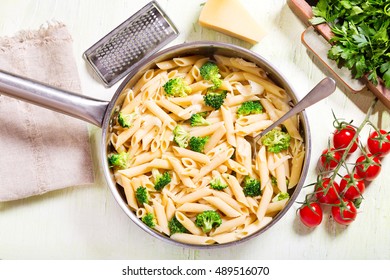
[{"x": 86, "y": 223}]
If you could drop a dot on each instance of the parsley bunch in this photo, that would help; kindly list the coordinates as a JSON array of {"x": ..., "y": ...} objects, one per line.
[{"x": 361, "y": 42}]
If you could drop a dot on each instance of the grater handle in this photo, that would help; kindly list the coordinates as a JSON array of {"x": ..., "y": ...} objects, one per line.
[{"x": 65, "y": 102}]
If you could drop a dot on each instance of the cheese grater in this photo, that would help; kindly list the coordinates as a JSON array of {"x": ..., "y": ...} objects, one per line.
[{"x": 141, "y": 35}]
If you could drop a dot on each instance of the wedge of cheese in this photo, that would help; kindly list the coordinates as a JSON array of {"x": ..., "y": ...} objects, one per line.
[{"x": 231, "y": 18}]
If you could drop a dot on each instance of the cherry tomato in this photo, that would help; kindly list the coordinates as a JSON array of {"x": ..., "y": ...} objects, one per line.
[
  {"x": 326, "y": 193},
  {"x": 379, "y": 145},
  {"x": 352, "y": 188},
  {"x": 342, "y": 137},
  {"x": 368, "y": 167},
  {"x": 311, "y": 214},
  {"x": 345, "y": 213},
  {"x": 330, "y": 158}
]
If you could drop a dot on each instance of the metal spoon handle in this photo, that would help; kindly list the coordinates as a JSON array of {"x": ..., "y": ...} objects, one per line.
[{"x": 323, "y": 89}]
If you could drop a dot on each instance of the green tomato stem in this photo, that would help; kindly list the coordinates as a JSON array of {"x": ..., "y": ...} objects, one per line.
[{"x": 346, "y": 151}]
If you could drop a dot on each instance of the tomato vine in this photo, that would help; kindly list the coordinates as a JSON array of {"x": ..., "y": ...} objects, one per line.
[{"x": 346, "y": 196}]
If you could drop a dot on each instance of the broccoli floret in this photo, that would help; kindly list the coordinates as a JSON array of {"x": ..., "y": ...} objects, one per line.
[
  {"x": 118, "y": 160},
  {"x": 198, "y": 120},
  {"x": 210, "y": 72},
  {"x": 276, "y": 141},
  {"x": 176, "y": 227},
  {"x": 176, "y": 87},
  {"x": 142, "y": 195},
  {"x": 149, "y": 220},
  {"x": 215, "y": 99},
  {"x": 160, "y": 180},
  {"x": 281, "y": 196},
  {"x": 203, "y": 114},
  {"x": 207, "y": 220},
  {"x": 126, "y": 120},
  {"x": 181, "y": 137},
  {"x": 251, "y": 187},
  {"x": 217, "y": 184},
  {"x": 250, "y": 107},
  {"x": 197, "y": 143}
]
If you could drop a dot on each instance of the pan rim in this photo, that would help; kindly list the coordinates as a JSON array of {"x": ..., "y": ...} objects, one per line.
[{"x": 190, "y": 47}]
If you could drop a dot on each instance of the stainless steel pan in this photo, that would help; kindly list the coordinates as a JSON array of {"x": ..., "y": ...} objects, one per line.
[{"x": 101, "y": 113}]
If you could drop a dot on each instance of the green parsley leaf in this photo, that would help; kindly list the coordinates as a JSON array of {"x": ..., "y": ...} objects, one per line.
[{"x": 361, "y": 39}]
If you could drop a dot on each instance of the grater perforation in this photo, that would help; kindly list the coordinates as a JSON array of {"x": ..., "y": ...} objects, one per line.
[{"x": 141, "y": 35}]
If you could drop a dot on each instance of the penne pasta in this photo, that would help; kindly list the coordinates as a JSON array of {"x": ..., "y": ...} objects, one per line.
[
  {"x": 166, "y": 65},
  {"x": 194, "y": 196},
  {"x": 132, "y": 105},
  {"x": 187, "y": 60},
  {"x": 188, "y": 224},
  {"x": 262, "y": 167},
  {"x": 194, "y": 207},
  {"x": 228, "y": 120},
  {"x": 254, "y": 227},
  {"x": 228, "y": 198},
  {"x": 275, "y": 207},
  {"x": 268, "y": 85},
  {"x": 199, "y": 157},
  {"x": 179, "y": 170},
  {"x": 234, "y": 100},
  {"x": 229, "y": 225},
  {"x": 192, "y": 239},
  {"x": 297, "y": 163},
  {"x": 280, "y": 172},
  {"x": 249, "y": 67},
  {"x": 206, "y": 130},
  {"x": 215, "y": 162},
  {"x": 250, "y": 119},
  {"x": 135, "y": 171},
  {"x": 129, "y": 193},
  {"x": 236, "y": 189},
  {"x": 170, "y": 209},
  {"x": 161, "y": 216},
  {"x": 189, "y": 163},
  {"x": 172, "y": 107},
  {"x": 222, "y": 206},
  {"x": 213, "y": 177},
  {"x": 127, "y": 134},
  {"x": 200, "y": 86},
  {"x": 215, "y": 138},
  {"x": 291, "y": 127},
  {"x": 264, "y": 202},
  {"x": 237, "y": 167},
  {"x": 158, "y": 112},
  {"x": 145, "y": 158},
  {"x": 252, "y": 129}
]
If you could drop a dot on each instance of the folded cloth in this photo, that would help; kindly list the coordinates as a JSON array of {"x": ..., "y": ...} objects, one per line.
[{"x": 41, "y": 150}]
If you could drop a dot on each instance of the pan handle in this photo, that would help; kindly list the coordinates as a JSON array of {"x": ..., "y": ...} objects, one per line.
[{"x": 65, "y": 102}]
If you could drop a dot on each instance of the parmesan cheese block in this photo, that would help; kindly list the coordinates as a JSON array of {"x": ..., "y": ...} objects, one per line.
[{"x": 231, "y": 18}]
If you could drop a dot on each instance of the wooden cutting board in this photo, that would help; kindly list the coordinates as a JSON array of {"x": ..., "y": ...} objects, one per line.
[{"x": 316, "y": 39}]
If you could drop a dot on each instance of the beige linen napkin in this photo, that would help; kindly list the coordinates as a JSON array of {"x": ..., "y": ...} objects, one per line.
[{"x": 41, "y": 150}]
